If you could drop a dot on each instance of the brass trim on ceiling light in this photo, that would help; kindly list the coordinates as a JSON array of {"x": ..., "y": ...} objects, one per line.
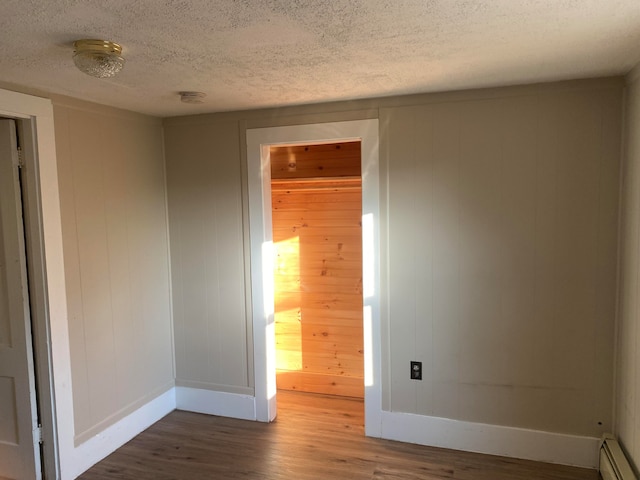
[{"x": 97, "y": 46}]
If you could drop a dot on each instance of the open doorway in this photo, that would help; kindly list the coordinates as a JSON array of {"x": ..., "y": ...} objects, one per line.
[
  {"x": 316, "y": 200},
  {"x": 259, "y": 141}
]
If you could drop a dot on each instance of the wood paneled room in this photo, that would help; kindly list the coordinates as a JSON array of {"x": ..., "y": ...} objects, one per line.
[{"x": 316, "y": 201}]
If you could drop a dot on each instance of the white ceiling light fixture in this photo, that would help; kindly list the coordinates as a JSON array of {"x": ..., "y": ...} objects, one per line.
[
  {"x": 192, "y": 97},
  {"x": 98, "y": 58}
]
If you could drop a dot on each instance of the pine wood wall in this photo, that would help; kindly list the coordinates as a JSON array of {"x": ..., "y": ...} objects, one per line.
[{"x": 318, "y": 273}]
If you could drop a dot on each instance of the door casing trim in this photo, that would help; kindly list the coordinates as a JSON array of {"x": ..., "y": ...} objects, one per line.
[
  {"x": 261, "y": 244},
  {"x": 34, "y": 116}
]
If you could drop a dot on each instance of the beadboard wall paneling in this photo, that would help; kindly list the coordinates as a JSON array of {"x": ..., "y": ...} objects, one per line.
[
  {"x": 114, "y": 225},
  {"x": 628, "y": 360},
  {"x": 502, "y": 259},
  {"x": 499, "y": 214},
  {"x": 207, "y": 257}
]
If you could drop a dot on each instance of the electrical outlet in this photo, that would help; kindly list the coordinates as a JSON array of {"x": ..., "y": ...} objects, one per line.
[{"x": 416, "y": 370}]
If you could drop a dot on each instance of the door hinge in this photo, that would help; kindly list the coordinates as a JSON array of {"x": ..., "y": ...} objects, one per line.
[
  {"x": 20, "y": 158},
  {"x": 37, "y": 434}
]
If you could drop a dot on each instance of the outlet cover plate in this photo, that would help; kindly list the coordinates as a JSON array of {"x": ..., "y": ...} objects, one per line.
[{"x": 416, "y": 370}]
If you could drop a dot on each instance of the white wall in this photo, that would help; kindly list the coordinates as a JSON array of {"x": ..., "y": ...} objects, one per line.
[
  {"x": 502, "y": 258},
  {"x": 208, "y": 269},
  {"x": 115, "y": 241},
  {"x": 499, "y": 256},
  {"x": 628, "y": 360}
]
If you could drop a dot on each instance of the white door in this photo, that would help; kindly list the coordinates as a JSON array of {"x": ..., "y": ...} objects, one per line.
[{"x": 19, "y": 447}]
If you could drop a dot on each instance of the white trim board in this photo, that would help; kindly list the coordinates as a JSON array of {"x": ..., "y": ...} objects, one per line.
[
  {"x": 106, "y": 442},
  {"x": 259, "y": 190},
  {"x": 212, "y": 402},
  {"x": 491, "y": 439}
]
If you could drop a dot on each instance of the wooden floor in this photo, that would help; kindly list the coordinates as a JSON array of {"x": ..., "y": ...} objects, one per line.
[{"x": 314, "y": 437}]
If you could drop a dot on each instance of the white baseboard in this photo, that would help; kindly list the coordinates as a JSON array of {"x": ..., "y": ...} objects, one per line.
[
  {"x": 98, "y": 447},
  {"x": 212, "y": 402},
  {"x": 491, "y": 439},
  {"x": 404, "y": 427}
]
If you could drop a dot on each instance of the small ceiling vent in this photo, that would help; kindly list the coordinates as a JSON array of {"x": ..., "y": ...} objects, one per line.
[{"x": 192, "y": 97}]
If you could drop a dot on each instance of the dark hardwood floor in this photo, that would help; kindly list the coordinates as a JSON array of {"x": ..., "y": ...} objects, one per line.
[{"x": 314, "y": 437}]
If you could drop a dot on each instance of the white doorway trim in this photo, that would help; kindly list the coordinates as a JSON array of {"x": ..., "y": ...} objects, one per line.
[
  {"x": 49, "y": 310},
  {"x": 259, "y": 183}
]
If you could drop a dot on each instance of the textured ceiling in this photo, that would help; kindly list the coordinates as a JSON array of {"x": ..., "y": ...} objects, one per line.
[{"x": 250, "y": 54}]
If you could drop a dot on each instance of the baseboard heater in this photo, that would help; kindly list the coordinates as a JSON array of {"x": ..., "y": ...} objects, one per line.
[{"x": 613, "y": 463}]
